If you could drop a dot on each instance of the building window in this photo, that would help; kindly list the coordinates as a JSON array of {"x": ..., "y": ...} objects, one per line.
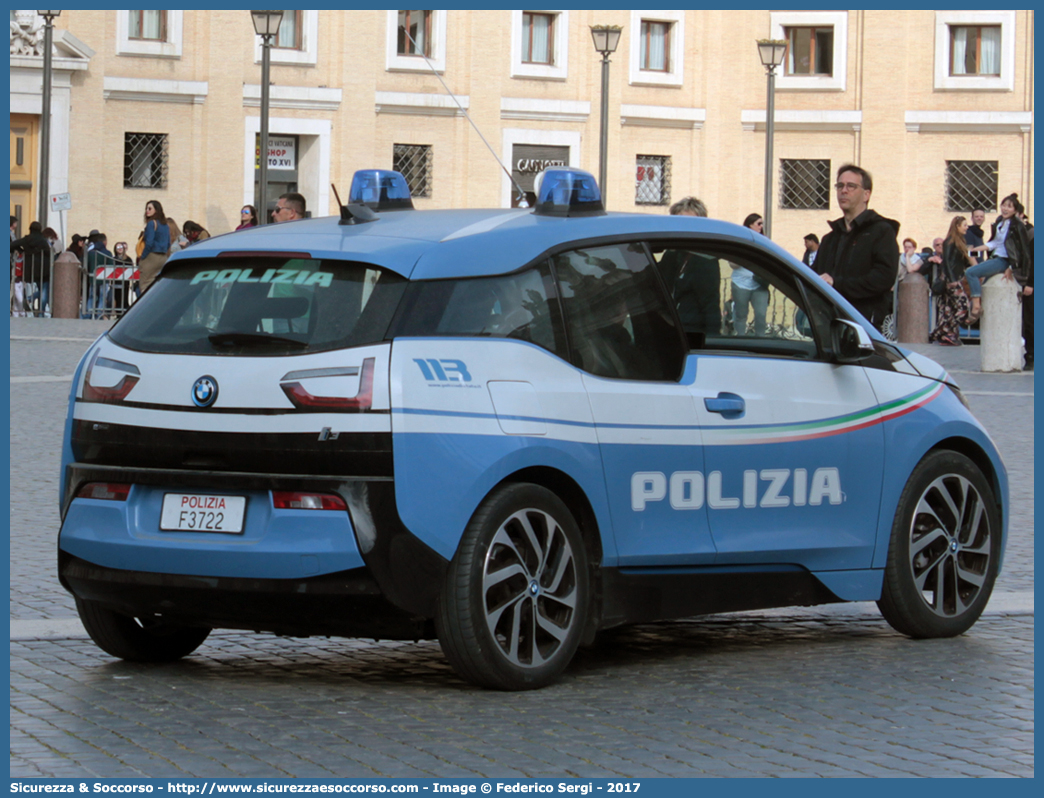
[
  {"x": 155, "y": 34},
  {"x": 970, "y": 185},
  {"x": 656, "y": 46},
  {"x": 297, "y": 41},
  {"x": 414, "y": 161},
  {"x": 652, "y": 184},
  {"x": 291, "y": 35},
  {"x": 539, "y": 44},
  {"x": 145, "y": 160},
  {"x": 817, "y": 49},
  {"x": 415, "y": 41},
  {"x": 804, "y": 184},
  {"x": 975, "y": 50},
  {"x": 810, "y": 51},
  {"x": 538, "y": 38},
  {"x": 148, "y": 25},
  {"x": 657, "y": 51},
  {"x": 414, "y": 33}
]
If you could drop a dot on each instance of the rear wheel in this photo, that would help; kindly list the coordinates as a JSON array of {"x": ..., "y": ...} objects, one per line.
[
  {"x": 138, "y": 640},
  {"x": 516, "y": 595},
  {"x": 944, "y": 550}
]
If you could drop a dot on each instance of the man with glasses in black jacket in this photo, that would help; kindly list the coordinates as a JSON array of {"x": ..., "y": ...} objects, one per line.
[{"x": 859, "y": 255}]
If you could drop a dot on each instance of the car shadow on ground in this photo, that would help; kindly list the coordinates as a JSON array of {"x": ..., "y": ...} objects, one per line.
[{"x": 658, "y": 650}]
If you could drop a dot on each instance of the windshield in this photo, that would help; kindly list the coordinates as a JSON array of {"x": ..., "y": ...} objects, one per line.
[{"x": 262, "y": 306}]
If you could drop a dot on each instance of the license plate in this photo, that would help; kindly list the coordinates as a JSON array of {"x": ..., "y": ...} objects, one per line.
[{"x": 200, "y": 512}]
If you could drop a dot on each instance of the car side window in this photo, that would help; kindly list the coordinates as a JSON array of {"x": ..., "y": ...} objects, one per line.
[
  {"x": 693, "y": 279},
  {"x": 521, "y": 306},
  {"x": 732, "y": 298},
  {"x": 616, "y": 313}
]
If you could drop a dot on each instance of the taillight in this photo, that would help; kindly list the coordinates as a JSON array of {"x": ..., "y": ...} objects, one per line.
[
  {"x": 117, "y": 393},
  {"x": 295, "y": 500},
  {"x": 303, "y": 400},
  {"x": 113, "y": 491}
]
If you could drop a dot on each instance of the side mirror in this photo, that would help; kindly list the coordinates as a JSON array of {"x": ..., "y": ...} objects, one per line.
[{"x": 851, "y": 342}]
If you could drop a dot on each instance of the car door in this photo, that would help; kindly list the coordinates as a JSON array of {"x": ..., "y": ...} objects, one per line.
[
  {"x": 626, "y": 339},
  {"x": 793, "y": 456}
]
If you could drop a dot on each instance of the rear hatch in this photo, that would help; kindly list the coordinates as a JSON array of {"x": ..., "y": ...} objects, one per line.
[{"x": 264, "y": 364}]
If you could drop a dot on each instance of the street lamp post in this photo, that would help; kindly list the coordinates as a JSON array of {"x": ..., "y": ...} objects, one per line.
[
  {"x": 45, "y": 117},
  {"x": 266, "y": 25},
  {"x": 606, "y": 38},
  {"x": 771, "y": 52}
]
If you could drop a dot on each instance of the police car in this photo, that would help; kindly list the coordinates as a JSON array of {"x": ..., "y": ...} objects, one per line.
[{"x": 508, "y": 429}]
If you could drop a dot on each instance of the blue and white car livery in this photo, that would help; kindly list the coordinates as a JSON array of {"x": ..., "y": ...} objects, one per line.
[{"x": 508, "y": 429}]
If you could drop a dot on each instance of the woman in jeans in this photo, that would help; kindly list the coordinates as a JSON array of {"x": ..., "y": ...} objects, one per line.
[
  {"x": 748, "y": 290},
  {"x": 156, "y": 236},
  {"x": 952, "y": 305},
  {"x": 1010, "y": 250}
]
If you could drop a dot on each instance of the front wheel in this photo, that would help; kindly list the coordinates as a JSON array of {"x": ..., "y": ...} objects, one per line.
[
  {"x": 515, "y": 600},
  {"x": 944, "y": 550},
  {"x": 138, "y": 640}
]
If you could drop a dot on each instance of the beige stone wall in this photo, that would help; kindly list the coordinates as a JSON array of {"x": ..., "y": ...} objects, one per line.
[{"x": 890, "y": 70}]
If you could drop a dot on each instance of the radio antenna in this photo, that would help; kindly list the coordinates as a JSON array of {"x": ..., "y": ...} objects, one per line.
[{"x": 420, "y": 51}]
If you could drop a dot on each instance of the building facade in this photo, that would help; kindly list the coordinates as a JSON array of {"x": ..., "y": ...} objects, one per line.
[{"x": 165, "y": 105}]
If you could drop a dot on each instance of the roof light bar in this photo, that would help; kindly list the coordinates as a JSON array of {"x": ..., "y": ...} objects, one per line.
[
  {"x": 380, "y": 190},
  {"x": 565, "y": 191}
]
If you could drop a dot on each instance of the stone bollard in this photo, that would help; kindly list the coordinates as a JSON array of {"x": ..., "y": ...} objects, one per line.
[
  {"x": 65, "y": 287},
  {"x": 912, "y": 324},
  {"x": 1000, "y": 330}
]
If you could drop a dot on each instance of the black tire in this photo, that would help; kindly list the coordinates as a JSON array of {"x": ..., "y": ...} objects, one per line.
[
  {"x": 138, "y": 641},
  {"x": 944, "y": 549},
  {"x": 515, "y": 600}
]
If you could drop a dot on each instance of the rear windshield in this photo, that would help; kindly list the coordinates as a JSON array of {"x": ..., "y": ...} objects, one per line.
[{"x": 262, "y": 306}]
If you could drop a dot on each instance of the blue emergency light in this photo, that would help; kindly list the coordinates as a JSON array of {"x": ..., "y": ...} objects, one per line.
[
  {"x": 565, "y": 191},
  {"x": 380, "y": 190}
]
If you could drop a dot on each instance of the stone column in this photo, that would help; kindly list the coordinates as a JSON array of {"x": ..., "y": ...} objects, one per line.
[
  {"x": 1000, "y": 330},
  {"x": 65, "y": 287},
  {"x": 912, "y": 324}
]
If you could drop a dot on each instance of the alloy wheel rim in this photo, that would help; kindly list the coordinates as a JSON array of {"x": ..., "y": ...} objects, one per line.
[
  {"x": 950, "y": 545},
  {"x": 529, "y": 588}
]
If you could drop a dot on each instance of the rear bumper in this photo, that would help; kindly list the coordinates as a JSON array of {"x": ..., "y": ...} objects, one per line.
[
  {"x": 348, "y": 603},
  {"x": 280, "y": 552}
]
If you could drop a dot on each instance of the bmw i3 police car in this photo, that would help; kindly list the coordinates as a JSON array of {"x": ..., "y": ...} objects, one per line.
[{"x": 508, "y": 429}]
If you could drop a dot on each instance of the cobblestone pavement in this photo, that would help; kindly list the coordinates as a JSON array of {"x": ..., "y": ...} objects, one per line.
[
  {"x": 722, "y": 697},
  {"x": 825, "y": 691}
]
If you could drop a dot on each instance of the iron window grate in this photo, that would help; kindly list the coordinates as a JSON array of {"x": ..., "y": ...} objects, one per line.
[
  {"x": 971, "y": 185},
  {"x": 652, "y": 185},
  {"x": 145, "y": 160},
  {"x": 804, "y": 184},
  {"x": 414, "y": 161}
]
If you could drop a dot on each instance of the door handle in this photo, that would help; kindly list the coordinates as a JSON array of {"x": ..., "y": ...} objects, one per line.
[{"x": 730, "y": 405}]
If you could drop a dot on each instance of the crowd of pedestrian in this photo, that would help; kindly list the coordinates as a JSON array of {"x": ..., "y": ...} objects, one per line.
[
  {"x": 111, "y": 279},
  {"x": 859, "y": 256},
  {"x": 956, "y": 265}
]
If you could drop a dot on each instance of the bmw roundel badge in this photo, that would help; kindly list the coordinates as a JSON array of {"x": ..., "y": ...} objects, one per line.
[{"x": 204, "y": 391}]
